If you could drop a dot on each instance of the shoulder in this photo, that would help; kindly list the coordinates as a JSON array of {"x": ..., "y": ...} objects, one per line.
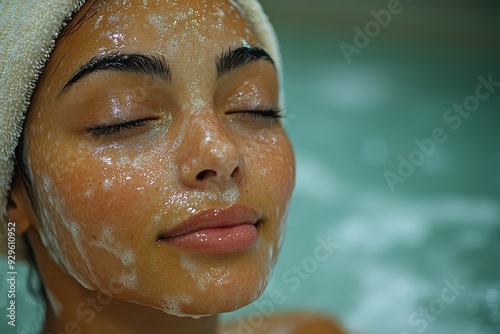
[{"x": 289, "y": 323}]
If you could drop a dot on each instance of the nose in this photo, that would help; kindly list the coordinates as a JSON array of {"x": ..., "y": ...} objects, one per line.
[{"x": 212, "y": 159}]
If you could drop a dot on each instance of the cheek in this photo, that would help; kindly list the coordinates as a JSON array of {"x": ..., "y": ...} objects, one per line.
[
  {"x": 271, "y": 167},
  {"x": 100, "y": 189},
  {"x": 92, "y": 204},
  {"x": 111, "y": 190},
  {"x": 271, "y": 178}
]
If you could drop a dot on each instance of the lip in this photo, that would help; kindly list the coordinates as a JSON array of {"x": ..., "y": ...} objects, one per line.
[{"x": 216, "y": 231}]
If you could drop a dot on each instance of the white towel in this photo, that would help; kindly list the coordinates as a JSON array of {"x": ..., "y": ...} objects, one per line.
[{"x": 28, "y": 30}]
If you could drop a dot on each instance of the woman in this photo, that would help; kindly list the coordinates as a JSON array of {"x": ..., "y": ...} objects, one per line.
[{"x": 152, "y": 175}]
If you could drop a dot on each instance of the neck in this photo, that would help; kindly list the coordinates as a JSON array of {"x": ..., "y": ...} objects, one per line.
[
  {"x": 71, "y": 308},
  {"x": 90, "y": 316}
]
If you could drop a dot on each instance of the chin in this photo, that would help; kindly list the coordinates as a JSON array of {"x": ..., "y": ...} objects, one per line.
[
  {"x": 226, "y": 299},
  {"x": 227, "y": 292},
  {"x": 220, "y": 302}
]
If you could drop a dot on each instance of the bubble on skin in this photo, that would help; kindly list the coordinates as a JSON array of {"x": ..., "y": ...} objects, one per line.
[
  {"x": 115, "y": 37},
  {"x": 194, "y": 24},
  {"x": 108, "y": 242},
  {"x": 266, "y": 145},
  {"x": 129, "y": 281},
  {"x": 214, "y": 276},
  {"x": 88, "y": 193},
  {"x": 198, "y": 102},
  {"x": 113, "y": 18},
  {"x": 35, "y": 129},
  {"x": 220, "y": 13},
  {"x": 123, "y": 162},
  {"x": 159, "y": 22},
  {"x": 106, "y": 185},
  {"x": 188, "y": 265},
  {"x": 248, "y": 97},
  {"x": 261, "y": 147},
  {"x": 175, "y": 304},
  {"x": 128, "y": 258},
  {"x": 75, "y": 230},
  {"x": 183, "y": 16},
  {"x": 219, "y": 276},
  {"x": 231, "y": 194},
  {"x": 97, "y": 23},
  {"x": 50, "y": 234}
]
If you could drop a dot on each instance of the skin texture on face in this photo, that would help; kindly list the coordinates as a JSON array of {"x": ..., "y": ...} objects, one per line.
[{"x": 117, "y": 158}]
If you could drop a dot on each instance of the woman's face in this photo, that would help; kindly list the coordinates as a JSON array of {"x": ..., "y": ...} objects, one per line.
[{"x": 161, "y": 175}]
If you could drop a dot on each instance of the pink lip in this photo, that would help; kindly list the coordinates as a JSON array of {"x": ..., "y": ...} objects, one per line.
[{"x": 216, "y": 231}]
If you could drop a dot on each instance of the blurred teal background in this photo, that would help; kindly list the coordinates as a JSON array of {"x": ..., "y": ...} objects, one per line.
[{"x": 350, "y": 122}]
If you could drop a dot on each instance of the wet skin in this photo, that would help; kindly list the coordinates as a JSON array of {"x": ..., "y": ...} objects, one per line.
[{"x": 116, "y": 158}]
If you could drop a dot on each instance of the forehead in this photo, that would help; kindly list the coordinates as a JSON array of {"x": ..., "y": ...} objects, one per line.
[
  {"x": 163, "y": 15},
  {"x": 169, "y": 28}
]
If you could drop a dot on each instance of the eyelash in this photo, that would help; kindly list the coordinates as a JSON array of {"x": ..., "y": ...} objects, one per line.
[
  {"x": 109, "y": 130},
  {"x": 270, "y": 114}
]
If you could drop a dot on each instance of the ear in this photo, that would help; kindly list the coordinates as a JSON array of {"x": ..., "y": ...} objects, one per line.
[{"x": 19, "y": 207}]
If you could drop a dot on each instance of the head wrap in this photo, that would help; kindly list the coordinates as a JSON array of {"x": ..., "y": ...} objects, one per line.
[{"x": 28, "y": 31}]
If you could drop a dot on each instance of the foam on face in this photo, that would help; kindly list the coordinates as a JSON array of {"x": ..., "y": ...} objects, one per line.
[
  {"x": 108, "y": 242},
  {"x": 52, "y": 237},
  {"x": 175, "y": 304},
  {"x": 91, "y": 197}
]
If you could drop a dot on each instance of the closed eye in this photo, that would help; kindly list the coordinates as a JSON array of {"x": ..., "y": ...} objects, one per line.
[
  {"x": 115, "y": 129},
  {"x": 270, "y": 114}
]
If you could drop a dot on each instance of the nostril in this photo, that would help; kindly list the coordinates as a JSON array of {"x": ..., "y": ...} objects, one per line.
[
  {"x": 205, "y": 174},
  {"x": 209, "y": 173},
  {"x": 235, "y": 172}
]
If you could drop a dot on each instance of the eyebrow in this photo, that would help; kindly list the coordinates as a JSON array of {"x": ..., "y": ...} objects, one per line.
[
  {"x": 233, "y": 59},
  {"x": 153, "y": 66},
  {"x": 158, "y": 68}
]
